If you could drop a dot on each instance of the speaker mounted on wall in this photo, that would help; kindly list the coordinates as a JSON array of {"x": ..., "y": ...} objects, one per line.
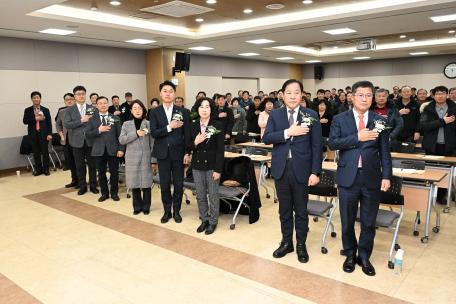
[
  {"x": 181, "y": 62},
  {"x": 318, "y": 72}
]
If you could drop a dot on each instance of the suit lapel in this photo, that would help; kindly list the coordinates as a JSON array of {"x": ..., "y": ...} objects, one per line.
[
  {"x": 351, "y": 121},
  {"x": 370, "y": 120}
]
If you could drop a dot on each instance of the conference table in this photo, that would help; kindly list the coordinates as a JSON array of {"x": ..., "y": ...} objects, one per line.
[
  {"x": 442, "y": 163},
  {"x": 419, "y": 188}
]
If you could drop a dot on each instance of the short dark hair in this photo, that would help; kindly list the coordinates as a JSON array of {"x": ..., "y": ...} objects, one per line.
[
  {"x": 217, "y": 96},
  {"x": 451, "y": 89},
  {"x": 179, "y": 97},
  {"x": 68, "y": 94},
  {"x": 128, "y": 94},
  {"x": 228, "y": 94},
  {"x": 243, "y": 92},
  {"x": 139, "y": 102},
  {"x": 381, "y": 90},
  {"x": 321, "y": 91},
  {"x": 201, "y": 92},
  {"x": 327, "y": 91},
  {"x": 35, "y": 93},
  {"x": 266, "y": 100},
  {"x": 290, "y": 81},
  {"x": 102, "y": 97},
  {"x": 260, "y": 92},
  {"x": 363, "y": 84},
  {"x": 424, "y": 90},
  {"x": 93, "y": 94},
  {"x": 234, "y": 99},
  {"x": 114, "y": 96},
  {"x": 256, "y": 97},
  {"x": 440, "y": 89},
  {"x": 79, "y": 88},
  {"x": 200, "y": 101},
  {"x": 167, "y": 83},
  {"x": 155, "y": 100}
]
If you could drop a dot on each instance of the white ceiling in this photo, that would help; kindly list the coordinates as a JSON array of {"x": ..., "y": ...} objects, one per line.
[{"x": 408, "y": 18}]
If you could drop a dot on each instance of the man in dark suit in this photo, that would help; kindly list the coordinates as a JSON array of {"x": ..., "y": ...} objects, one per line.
[
  {"x": 125, "y": 108},
  {"x": 295, "y": 132},
  {"x": 114, "y": 109},
  {"x": 76, "y": 118},
  {"x": 364, "y": 169},
  {"x": 104, "y": 129},
  {"x": 170, "y": 127},
  {"x": 39, "y": 130}
]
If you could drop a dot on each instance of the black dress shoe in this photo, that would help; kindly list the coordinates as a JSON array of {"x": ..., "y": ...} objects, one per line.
[
  {"x": 210, "y": 229},
  {"x": 165, "y": 218},
  {"x": 71, "y": 185},
  {"x": 202, "y": 227},
  {"x": 301, "y": 251},
  {"x": 177, "y": 217},
  {"x": 349, "y": 264},
  {"x": 103, "y": 198},
  {"x": 47, "y": 173},
  {"x": 37, "y": 173},
  {"x": 284, "y": 248},
  {"x": 94, "y": 190},
  {"x": 115, "y": 197},
  {"x": 82, "y": 190},
  {"x": 146, "y": 212},
  {"x": 136, "y": 212},
  {"x": 366, "y": 266}
]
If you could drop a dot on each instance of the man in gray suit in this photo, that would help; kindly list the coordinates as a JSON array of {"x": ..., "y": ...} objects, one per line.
[
  {"x": 76, "y": 118},
  {"x": 103, "y": 129},
  {"x": 68, "y": 98}
]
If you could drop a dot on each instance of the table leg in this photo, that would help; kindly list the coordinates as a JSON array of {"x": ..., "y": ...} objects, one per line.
[
  {"x": 450, "y": 190},
  {"x": 431, "y": 200}
]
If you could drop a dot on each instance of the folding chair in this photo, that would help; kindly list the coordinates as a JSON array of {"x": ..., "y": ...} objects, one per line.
[
  {"x": 391, "y": 219},
  {"x": 237, "y": 170},
  {"x": 233, "y": 149},
  {"x": 26, "y": 150},
  {"x": 406, "y": 147},
  {"x": 322, "y": 209}
]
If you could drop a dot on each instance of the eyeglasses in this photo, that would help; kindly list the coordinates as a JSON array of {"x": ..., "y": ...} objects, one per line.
[{"x": 362, "y": 96}]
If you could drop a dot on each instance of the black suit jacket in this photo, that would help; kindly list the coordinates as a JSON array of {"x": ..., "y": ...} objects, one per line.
[
  {"x": 226, "y": 123},
  {"x": 208, "y": 155},
  {"x": 45, "y": 125},
  {"x": 172, "y": 144},
  {"x": 108, "y": 141}
]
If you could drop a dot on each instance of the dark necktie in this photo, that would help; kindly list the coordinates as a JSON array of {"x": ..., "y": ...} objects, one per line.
[
  {"x": 103, "y": 120},
  {"x": 291, "y": 119}
]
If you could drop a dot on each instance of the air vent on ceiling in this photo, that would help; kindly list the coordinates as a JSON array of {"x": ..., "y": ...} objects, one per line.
[
  {"x": 177, "y": 9},
  {"x": 146, "y": 16}
]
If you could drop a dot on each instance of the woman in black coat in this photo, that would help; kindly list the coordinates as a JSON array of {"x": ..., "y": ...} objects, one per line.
[
  {"x": 207, "y": 147},
  {"x": 326, "y": 117}
]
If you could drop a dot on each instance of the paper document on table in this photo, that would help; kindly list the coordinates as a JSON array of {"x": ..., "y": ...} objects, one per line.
[{"x": 407, "y": 171}]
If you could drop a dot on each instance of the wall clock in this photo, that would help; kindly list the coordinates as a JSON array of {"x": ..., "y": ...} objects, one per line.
[{"x": 450, "y": 70}]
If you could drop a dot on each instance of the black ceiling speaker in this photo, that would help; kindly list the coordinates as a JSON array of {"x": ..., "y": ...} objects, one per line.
[{"x": 182, "y": 62}]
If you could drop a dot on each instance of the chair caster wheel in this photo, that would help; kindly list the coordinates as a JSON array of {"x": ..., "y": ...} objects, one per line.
[
  {"x": 333, "y": 234},
  {"x": 324, "y": 250},
  {"x": 342, "y": 252},
  {"x": 424, "y": 239},
  {"x": 268, "y": 196},
  {"x": 390, "y": 265},
  {"x": 436, "y": 229},
  {"x": 446, "y": 210},
  {"x": 315, "y": 219},
  {"x": 276, "y": 201},
  {"x": 416, "y": 233},
  {"x": 397, "y": 247},
  {"x": 128, "y": 196},
  {"x": 187, "y": 202},
  {"x": 419, "y": 222},
  {"x": 232, "y": 226}
]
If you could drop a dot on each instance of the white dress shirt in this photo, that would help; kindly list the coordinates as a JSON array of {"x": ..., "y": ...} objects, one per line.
[
  {"x": 365, "y": 118},
  {"x": 82, "y": 109},
  {"x": 295, "y": 118},
  {"x": 169, "y": 115}
]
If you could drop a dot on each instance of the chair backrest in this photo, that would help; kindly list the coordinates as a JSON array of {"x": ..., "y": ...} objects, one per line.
[
  {"x": 409, "y": 164},
  {"x": 233, "y": 149},
  {"x": 256, "y": 151},
  {"x": 56, "y": 139},
  {"x": 241, "y": 138},
  {"x": 407, "y": 147},
  {"x": 237, "y": 169},
  {"x": 26, "y": 146},
  {"x": 393, "y": 196},
  {"x": 326, "y": 186}
]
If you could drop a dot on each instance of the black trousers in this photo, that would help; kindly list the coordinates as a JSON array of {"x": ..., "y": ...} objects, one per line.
[
  {"x": 69, "y": 161},
  {"x": 368, "y": 199},
  {"x": 141, "y": 203},
  {"x": 40, "y": 150},
  {"x": 102, "y": 162},
  {"x": 293, "y": 196},
  {"x": 171, "y": 171},
  {"x": 81, "y": 155}
]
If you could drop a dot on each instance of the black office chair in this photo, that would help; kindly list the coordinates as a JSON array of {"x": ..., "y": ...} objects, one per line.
[
  {"x": 233, "y": 149},
  {"x": 26, "y": 150},
  {"x": 321, "y": 209},
  {"x": 406, "y": 147}
]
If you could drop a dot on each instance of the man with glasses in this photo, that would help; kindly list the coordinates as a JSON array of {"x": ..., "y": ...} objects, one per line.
[
  {"x": 364, "y": 169},
  {"x": 76, "y": 118}
]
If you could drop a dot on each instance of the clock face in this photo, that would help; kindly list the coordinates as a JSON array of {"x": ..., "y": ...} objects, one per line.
[{"x": 450, "y": 70}]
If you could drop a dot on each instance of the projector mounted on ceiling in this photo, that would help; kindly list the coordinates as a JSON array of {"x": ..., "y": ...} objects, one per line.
[{"x": 366, "y": 45}]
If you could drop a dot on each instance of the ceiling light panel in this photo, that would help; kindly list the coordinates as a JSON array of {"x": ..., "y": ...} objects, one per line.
[
  {"x": 141, "y": 41},
  {"x": 340, "y": 31},
  {"x": 419, "y": 53},
  {"x": 200, "y": 48},
  {"x": 60, "y": 32},
  {"x": 248, "y": 54},
  {"x": 260, "y": 41},
  {"x": 444, "y": 18},
  {"x": 285, "y": 58}
]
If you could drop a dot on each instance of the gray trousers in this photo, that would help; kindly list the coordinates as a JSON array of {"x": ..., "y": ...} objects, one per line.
[{"x": 208, "y": 211}]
